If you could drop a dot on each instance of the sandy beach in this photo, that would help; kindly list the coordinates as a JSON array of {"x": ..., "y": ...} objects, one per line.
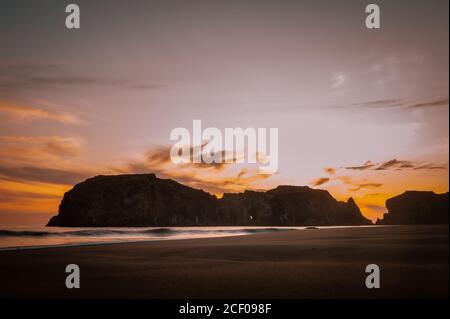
[{"x": 315, "y": 263}]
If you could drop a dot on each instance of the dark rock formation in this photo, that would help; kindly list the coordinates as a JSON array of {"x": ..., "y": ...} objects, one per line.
[
  {"x": 287, "y": 206},
  {"x": 133, "y": 200},
  {"x": 145, "y": 200},
  {"x": 414, "y": 207}
]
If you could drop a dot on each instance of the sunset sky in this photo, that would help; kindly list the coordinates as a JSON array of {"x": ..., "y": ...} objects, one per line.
[{"x": 362, "y": 113}]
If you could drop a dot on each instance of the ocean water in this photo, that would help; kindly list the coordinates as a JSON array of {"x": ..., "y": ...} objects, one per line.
[{"x": 12, "y": 238}]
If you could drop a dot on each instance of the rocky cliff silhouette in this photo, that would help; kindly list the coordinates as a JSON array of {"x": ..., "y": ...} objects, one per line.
[
  {"x": 416, "y": 207},
  {"x": 145, "y": 200}
]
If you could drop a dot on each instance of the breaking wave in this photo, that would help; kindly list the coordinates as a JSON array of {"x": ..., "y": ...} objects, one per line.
[{"x": 152, "y": 232}]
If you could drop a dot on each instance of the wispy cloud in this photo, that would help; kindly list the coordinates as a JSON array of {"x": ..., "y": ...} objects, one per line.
[
  {"x": 35, "y": 113},
  {"x": 338, "y": 81},
  {"x": 40, "y": 146},
  {"x": 160, "y": 157},
  {"x": 394, "y": 164},
  {"x": 441, "y": 102},
  {"x": 320, "y": 181},
  {"x": 346, "y": 180},
  {"x": 215, "y": 178},
  {"x": 330, "y": 170},
  {"x": 45, "y": 159},
  {"x": 430, "y": 167},
  {"x": 367, "y": 165},
  {"x": 360, "y": 186},
  {"x": 24, "y": 76},
  {"x": 392, "y": 103},
  {"x": 43, "y": 174},
  {"x": 397, "y": 165},
  {"x": 18, "y": 77}
]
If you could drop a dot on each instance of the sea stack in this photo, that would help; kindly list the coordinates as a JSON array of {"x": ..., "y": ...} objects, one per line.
[
  {"x": 416, "y": 208},
  {"x": 145, "y": 200}
]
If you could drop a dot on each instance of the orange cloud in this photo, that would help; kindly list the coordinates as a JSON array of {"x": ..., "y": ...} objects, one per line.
[
  {"x": 35, "y": 171},
  {"x": 41, "y": 159},
  {"x": 28, "y": 147},
  {"x": 33, "y": 113},
  {"x": 320, "y": 181},
  {"x": 330, "y": 170},
  {"x": 365, "y": 186},
  {"x": 216, "y": 178}
]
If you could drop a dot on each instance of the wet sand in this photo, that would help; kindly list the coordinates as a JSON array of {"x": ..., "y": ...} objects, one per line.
[{"x": 313, "y": 263}]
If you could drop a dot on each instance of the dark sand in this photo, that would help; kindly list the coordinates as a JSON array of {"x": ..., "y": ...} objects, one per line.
[{"x": 325, "y": 263}]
